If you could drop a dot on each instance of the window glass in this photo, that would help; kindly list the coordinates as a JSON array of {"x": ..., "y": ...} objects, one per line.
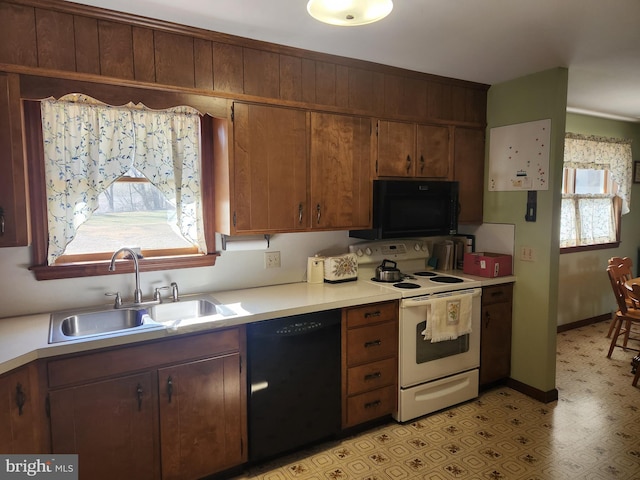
[{"x": 589, "y": 181}]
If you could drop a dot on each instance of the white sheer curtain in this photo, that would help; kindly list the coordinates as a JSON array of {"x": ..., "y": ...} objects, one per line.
[
  {"x": 88, "y": 145},
  {"x": 589, "y": 218}
]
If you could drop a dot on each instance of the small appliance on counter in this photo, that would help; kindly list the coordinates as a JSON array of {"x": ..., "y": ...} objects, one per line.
[
  {"x": 315, "y": 269},
  {"x": 486, "y": 264},
  {"x": 341, "y": 268}
]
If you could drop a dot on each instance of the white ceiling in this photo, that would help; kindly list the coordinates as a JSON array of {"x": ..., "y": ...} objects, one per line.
[{"x": 486, "y": 41}]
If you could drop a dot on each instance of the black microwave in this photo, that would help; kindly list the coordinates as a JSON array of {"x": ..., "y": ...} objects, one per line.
[{"x": 412, "y": 208}]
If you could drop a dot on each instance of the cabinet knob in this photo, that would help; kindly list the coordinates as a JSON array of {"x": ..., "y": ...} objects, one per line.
[
  {"x": 318, "y": 212},
  {"x": 169, "y": 388},
  {"x": 421, "y": 163},
  {"x": 373, "y": 343},
  {"x": 300, "y": 214},
  {"x": 408, "y": 163}
]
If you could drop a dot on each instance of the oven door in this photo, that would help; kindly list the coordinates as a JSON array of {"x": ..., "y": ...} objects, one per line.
[{"x": 423, "y": 361}]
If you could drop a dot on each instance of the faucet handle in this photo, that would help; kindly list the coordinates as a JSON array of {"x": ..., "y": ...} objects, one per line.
[
  {"x": 156, "y": 293},
  {"x": 118, "y": 301},
  {"x": 174, "y": 292}
]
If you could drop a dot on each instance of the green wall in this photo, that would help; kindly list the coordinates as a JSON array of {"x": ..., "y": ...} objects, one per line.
[
  {"x": 534, "y": 97},
  {"x": 584, "y": 289}
]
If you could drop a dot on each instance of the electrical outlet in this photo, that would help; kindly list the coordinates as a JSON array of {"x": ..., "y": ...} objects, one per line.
[{"x": 271, "y": 259}]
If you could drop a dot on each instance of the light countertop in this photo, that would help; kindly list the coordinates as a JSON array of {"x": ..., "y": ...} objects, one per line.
[{"x": 24, "y": 339}]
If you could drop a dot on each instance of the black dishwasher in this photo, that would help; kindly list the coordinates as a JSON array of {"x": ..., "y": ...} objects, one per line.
[{"x": 294, "y": 382}]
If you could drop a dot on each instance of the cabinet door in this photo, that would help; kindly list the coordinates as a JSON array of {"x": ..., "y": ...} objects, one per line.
[
  {"x": 340, "y": 171},
  {"x": 495, "y": 351},
  {"x": 111, "y": 425},
  {"x": 18, "y": 419},
  {"x": 433, "y": 159},
  {"x": 201, "y": 417},
  {"x": 469, "y": 171},
  {"x": 13, "y": 200},
  {"x": 270, "y": 169},
  {"x": 396, "y": 149}
]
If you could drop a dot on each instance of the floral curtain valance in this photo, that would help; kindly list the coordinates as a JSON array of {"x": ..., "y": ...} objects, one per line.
[
  {"x": 88, "y": 145},
  {"x": 602, "y": 153}
]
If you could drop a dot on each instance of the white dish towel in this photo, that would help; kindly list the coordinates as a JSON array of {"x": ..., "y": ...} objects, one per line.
[{"x": 448, "y": 318}]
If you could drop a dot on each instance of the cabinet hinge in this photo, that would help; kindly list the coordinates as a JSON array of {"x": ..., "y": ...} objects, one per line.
[
  {"x": 47, "y": 406},
  {"x": 232, "y": 112},
  {"x": 376, "y": 166},
  {"x": 241, "y": 447},
  {"x": 234, "y": 219},
  {"x": 240, "y": 359}
]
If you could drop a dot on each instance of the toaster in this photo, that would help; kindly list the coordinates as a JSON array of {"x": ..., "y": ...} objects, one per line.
[{"x": 341, "y": 268}]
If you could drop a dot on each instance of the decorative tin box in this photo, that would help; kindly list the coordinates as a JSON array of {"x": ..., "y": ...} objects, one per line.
[{"x": 343, "y": 268}]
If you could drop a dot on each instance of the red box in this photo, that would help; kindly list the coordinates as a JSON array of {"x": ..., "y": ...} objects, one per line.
[{"x": 485, "y": 264}]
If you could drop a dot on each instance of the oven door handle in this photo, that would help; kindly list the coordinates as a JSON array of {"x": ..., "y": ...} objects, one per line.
[{"x": 426, "y": 299}]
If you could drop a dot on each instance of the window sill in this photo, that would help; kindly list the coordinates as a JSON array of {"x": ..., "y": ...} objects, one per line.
[
  {"x": 587, "y": 248},
  {"x": 93, "y": 269}
]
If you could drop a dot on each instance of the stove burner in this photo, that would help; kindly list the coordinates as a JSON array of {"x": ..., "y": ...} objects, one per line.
[
  {"x": 425, "y": 274},
  {"x": 374, "y": 279},
  {"x": 446, "y": 279},
  {"x": 406, "y": 285}
]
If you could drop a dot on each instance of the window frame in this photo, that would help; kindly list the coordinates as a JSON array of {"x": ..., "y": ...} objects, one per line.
[
  {"x": 94, "y": 265},
  {"x": 569, "y": 176}
]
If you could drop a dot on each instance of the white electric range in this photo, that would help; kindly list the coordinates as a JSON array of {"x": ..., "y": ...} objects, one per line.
[{"x": 432, "y": 374}]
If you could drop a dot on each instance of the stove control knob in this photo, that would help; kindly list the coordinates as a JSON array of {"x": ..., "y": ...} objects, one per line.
[
  {"x": 359, "y": 252},
  {"x": 423, "y": 247},
  {"x": 368, "y": 251},
  {"x": 416, "y": 247}
]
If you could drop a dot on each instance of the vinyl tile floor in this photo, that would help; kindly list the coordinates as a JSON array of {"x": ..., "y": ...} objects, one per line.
[{"x": 592, "y": 431}]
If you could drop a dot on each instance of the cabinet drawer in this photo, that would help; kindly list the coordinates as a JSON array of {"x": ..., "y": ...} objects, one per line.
[
  {"x": 94, "y": 366},
  {"x": 368, "y": 344},
  {"x": 371, "y": 376},
  {"x": 497, "y": 294},
  {"x": 367, "y": 314},
  {"x": 370, "y": 405}
]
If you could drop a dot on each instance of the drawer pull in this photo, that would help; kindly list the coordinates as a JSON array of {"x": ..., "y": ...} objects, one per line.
[
  {"x": 377, "y": 313},
  {"x": 373, "y": 343},
  {"x": 139, "y": 394},
  {"x": 170, "y": 388},
  {"x": 372, "y": 376},
  {"x": 21, "y": 398},
  {"x": 373, "y": 404}
]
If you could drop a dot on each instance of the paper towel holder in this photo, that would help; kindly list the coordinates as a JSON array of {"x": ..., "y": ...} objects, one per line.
[{"x": 225, "y": 238}]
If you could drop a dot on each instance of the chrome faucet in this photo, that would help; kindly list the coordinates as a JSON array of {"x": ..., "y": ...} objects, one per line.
[{"x": 137, "y": 294}]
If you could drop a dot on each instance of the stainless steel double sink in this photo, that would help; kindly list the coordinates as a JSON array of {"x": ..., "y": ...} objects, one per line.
[{"x": 91, "y": 322}]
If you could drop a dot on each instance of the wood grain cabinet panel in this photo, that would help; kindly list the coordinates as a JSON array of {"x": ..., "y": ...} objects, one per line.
[
  {"x": 414, "y": 151},
  {"x": 261, "y": 73},
  {"x": 18, "y": 39},
  {"x": 111, "y": 425},
  {"x": 290, "y": 78},
  {"x": 144, "y": 65},
  {"x": 174, "y": 59},
  {"x": 116, "y": 50},
  {"x": 200, "y": 410},
  {"x": 203, "y": 57},
  {"x": 495, "y": 346},
  {"x": 369, "y": 362},
  {"x": 22, "y": 410},
  {"x": 264, "y": 171},
  {"x": 174, "y": 409},
  {"x": 13, "y": 191},
  {"x": 57, "y": 51},
  {"x": 469, "y": 172},
  {"x": 87, "y": 45},
  {"x": 340, "y": 169}
]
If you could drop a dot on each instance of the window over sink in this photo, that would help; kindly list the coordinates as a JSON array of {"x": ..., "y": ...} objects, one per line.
[{"x": 107, "y": 176}]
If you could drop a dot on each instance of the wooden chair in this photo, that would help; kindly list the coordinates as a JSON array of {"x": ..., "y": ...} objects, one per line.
[
  {"x": 626, "y": 316},
  {"x": 626, "y": 265}
]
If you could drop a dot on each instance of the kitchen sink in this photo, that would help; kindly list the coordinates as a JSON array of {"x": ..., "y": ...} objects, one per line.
[
  {"x": 189, "y": 309},
  {"x": 65, "y": 326}
]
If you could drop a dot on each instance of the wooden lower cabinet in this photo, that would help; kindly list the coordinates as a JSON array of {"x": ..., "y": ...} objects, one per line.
[
  {"x": 495, "y": 340},
  {"x": 369, "y": 362},
  {"x": 22, "y": 413},
  {"x": 111, "y": 425},
  {"x": 181, "y": 418}
]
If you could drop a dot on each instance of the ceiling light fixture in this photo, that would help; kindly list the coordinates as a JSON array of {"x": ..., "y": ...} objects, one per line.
[{"x": 349, "y": 12}]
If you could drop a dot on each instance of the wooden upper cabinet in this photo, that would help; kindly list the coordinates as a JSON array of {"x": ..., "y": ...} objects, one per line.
[
  {"x": 13, "y": 200},
  {"x": 414, "y": 150},
  {"x": 340, "y": 171},
  {"x": 266, "y": 171},
  {"x": 469, "y": 172}
]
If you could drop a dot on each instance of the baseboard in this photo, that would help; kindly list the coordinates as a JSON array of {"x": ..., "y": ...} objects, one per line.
[
  {"x": 541, "y": 396},
  {"x": 583, "y": 323}
]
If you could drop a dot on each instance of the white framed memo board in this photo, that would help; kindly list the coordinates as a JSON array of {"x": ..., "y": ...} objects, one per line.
[{"x": 519, "y": 156}]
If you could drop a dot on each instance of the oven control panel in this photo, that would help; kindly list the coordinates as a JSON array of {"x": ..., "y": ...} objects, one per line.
[{"x": 370, "y": 252}]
